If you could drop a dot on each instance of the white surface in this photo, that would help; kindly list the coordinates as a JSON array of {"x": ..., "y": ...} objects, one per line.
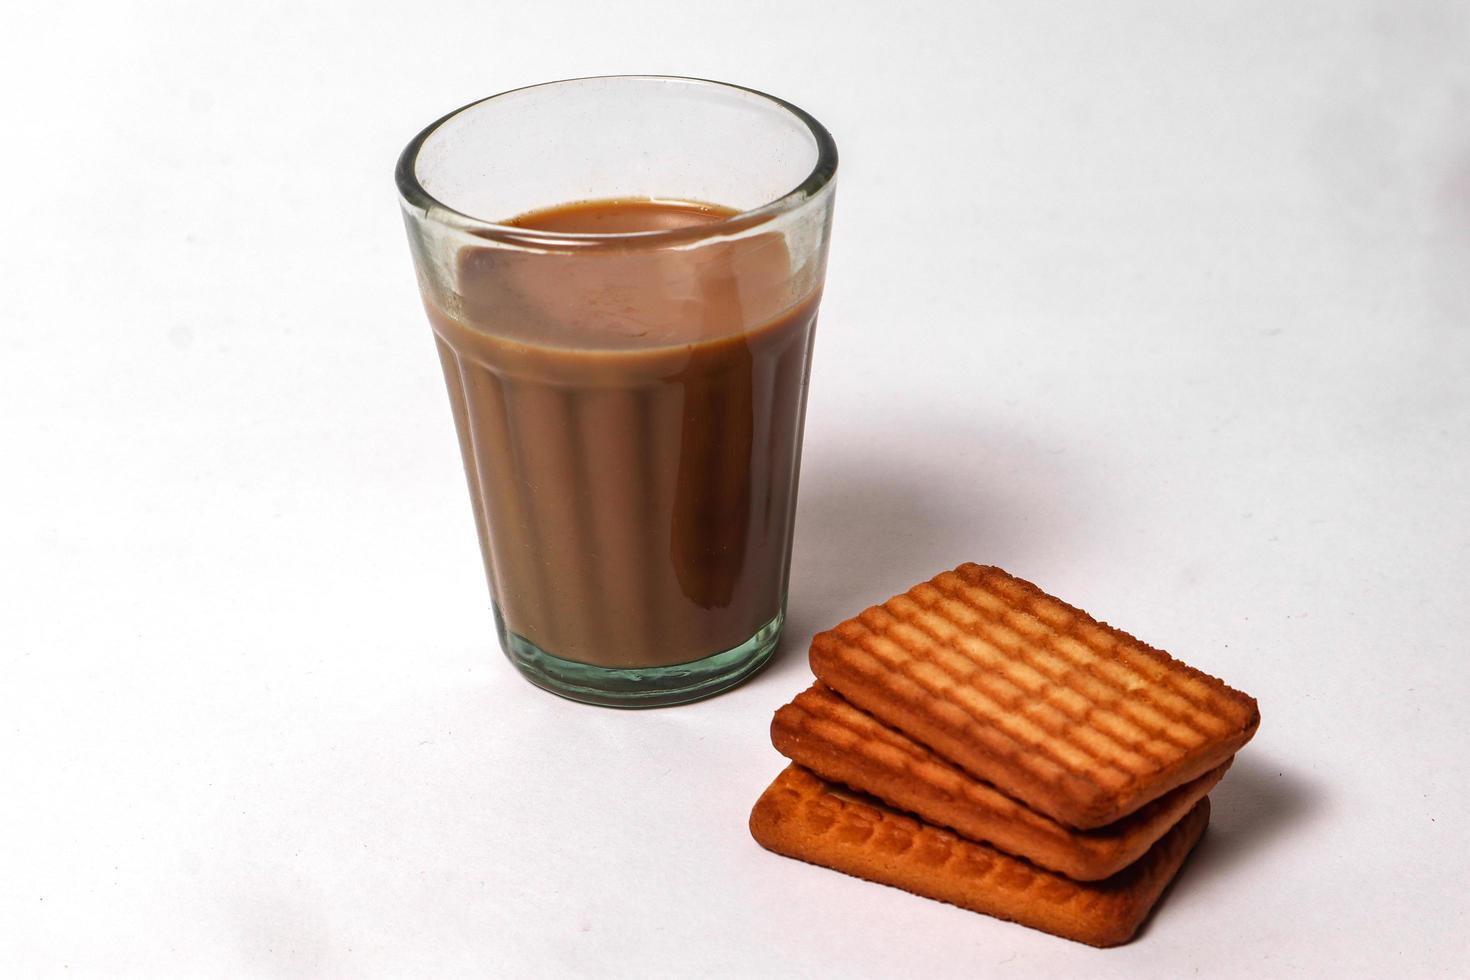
[{"x": 1163, "y": 307}]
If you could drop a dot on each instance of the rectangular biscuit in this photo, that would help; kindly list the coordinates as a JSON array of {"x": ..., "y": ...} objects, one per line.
[
  {"x": 1079, "y": 720},
  {"x": 843, "y": 744},
  {"x": 802, "y": 817}
]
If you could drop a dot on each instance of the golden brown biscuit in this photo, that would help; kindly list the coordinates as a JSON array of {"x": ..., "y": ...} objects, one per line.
[
  {"x": 802, "y": 817},
  {"x": 1075, "y": 718},
  {"x": 844, "y": 744}
]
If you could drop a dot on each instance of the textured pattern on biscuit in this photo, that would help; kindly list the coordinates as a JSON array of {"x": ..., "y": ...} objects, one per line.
[
  {"x": 1077, "y": 719},
  {"x": 846, "y": 745},
  {"x": 802, "y": 817}
]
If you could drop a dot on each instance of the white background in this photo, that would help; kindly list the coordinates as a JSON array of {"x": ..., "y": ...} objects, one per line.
[{"x": 1163, "y": 306}]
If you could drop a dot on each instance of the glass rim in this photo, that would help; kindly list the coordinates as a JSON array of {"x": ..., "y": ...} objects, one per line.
[{"x": 413, "y": 194}]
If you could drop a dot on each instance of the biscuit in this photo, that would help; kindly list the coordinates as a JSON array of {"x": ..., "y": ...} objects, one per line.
[
  {"x": 1078, "y": 720},
  {"x": 802, "y": 817},
  {"x": 843, "y": 744}
]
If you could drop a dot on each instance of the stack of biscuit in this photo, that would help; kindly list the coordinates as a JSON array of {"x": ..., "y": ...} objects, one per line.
[{"x": 977, "y": 741}]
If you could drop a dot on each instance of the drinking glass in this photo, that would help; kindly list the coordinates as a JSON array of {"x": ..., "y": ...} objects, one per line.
[{"x": 629, "y": 397}]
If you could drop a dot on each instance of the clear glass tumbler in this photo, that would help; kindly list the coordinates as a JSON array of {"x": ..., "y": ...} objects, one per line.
[{"x": 622, "y": 276}]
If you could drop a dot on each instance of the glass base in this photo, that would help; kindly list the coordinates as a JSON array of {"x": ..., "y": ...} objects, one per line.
[{"x": 641, "y": 687}]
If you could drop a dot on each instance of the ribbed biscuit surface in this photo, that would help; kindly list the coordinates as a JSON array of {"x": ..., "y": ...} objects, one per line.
[
  {"x": 800, "y": 816},
  {"x": 1079, "y": 720},
  {"x": 844, "y": 744}
]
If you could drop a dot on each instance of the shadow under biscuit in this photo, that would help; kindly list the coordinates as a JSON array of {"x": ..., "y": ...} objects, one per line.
[{"x": 1258, "y": 802}]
